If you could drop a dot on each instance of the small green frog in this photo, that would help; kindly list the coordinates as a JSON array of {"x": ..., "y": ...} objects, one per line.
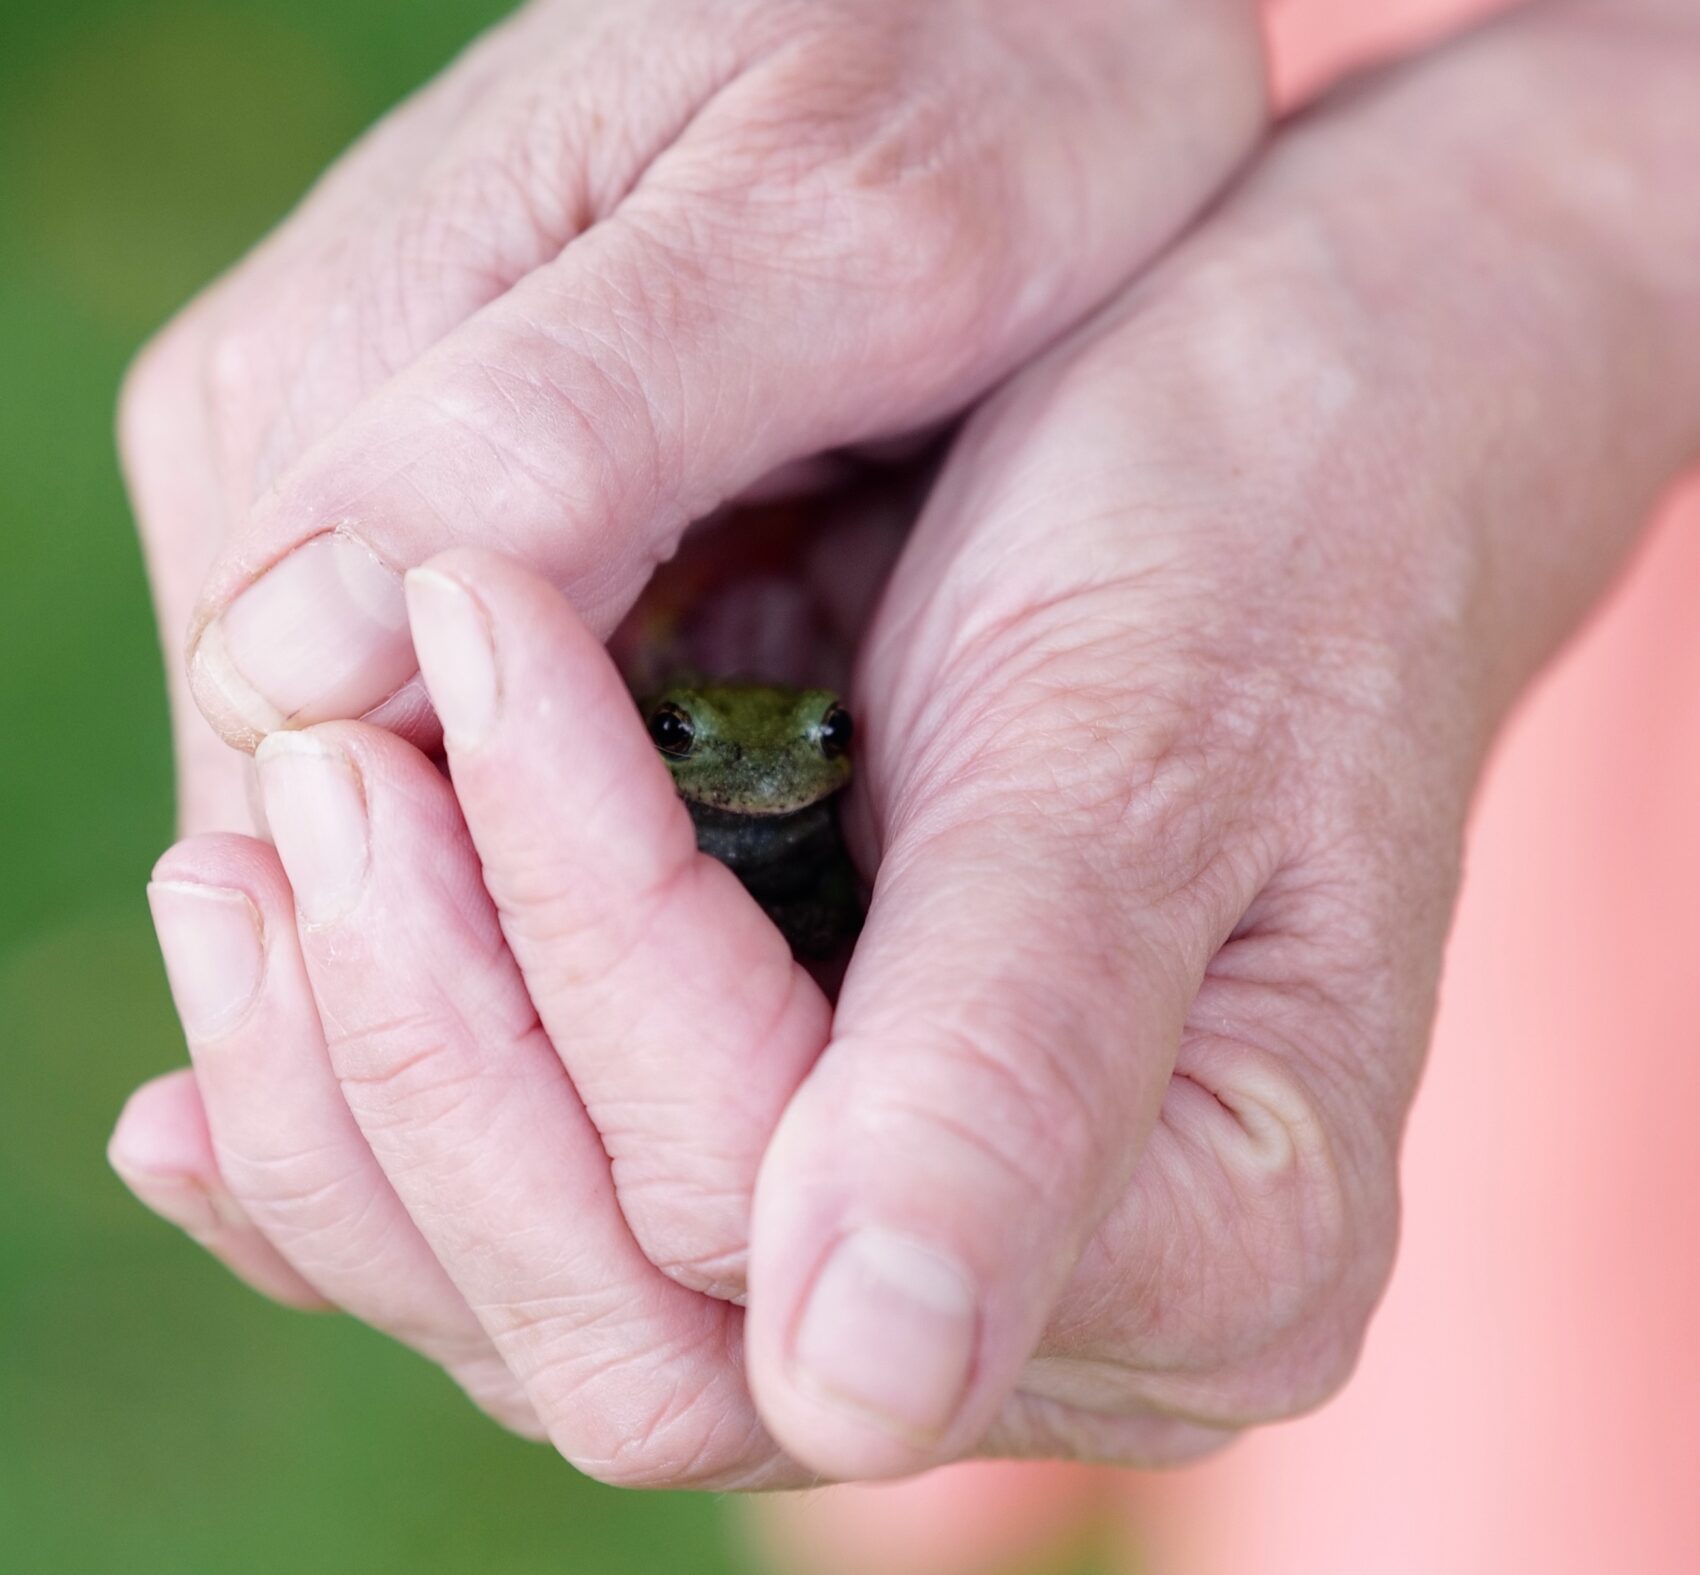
[{"x": 759, "y": 767}]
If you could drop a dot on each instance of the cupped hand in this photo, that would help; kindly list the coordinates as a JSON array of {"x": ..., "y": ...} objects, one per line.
[
  {"x": 1171, "y": 714},
  {"x": 620, "y": 263}
]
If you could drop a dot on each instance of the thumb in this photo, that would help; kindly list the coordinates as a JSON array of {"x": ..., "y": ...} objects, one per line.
[
  {"x": 822, "y": 257},
  {"x": 1001, "y": 1052}
]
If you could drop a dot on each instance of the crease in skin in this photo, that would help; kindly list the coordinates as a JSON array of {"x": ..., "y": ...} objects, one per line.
[
  {"x": 210, "y": 1208},
  {"x": 237, "y": 708},
  {"x": 242, "y": 703},
  {"x": 1278, "y": 1132}
]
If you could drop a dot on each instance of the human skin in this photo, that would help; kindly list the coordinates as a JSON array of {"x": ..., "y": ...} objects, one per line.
[
  {"x": 517, "y": 313},
  {"x": 1140, "y": 1093}
]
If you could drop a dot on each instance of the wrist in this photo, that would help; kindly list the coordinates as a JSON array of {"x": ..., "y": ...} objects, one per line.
[{"x": 1491, "y": 267}]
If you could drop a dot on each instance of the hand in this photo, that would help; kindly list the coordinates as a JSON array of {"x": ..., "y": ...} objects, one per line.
[
  {"x": 1166, "y": 826},
  {"x": 623, "y": 261}
]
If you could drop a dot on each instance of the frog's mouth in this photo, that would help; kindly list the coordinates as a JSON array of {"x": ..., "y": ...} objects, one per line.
[{"x": 739, "y": 808}]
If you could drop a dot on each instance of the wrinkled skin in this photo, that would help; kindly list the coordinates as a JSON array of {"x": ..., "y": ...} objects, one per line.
[
  {"x": 1164, "y": 830},
  {"x": 513, "y": 314}
]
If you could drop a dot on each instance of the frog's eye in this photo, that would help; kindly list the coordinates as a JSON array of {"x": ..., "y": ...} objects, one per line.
[
  {"x": 671, "y": 730},
  {"x": 836, "y": 731}
]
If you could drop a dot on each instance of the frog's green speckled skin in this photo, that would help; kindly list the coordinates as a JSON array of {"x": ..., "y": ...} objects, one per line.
[{"x": 760, "y": 790}]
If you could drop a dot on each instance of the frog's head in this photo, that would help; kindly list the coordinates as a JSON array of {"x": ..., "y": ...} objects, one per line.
[{"x": 753, "y": 749}]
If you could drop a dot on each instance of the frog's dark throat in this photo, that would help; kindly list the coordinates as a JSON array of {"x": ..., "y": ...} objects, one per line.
[{"x": 775, "y": 856}]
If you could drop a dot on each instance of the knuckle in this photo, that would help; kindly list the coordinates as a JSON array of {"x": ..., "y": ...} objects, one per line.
[
  {"x": 489, "y": 220},
  {"x": 535, "y": 1329},
  {"x": 589, "y": 391},
  {"x": 300, "y": 1192},
  {"x": 927, "y": 230},
  {"x": 688, "y": 1203},
  {"x": 672, "y": 1442},
  {"x": 648, "y": 1418},
  {"x": 584, "y": 935},
  {"x": 644, "y": 1455},
  {"x": 231, "y": 357},
  {"x": 406, "y": 1070},
  {"x": 161, "y": 381},
  {"x": 717, "y": 1273},
  {"x": 695, "y": 1237},
  {"x": 858, "y": 160},
  {"x": 340, "y": 1229}
]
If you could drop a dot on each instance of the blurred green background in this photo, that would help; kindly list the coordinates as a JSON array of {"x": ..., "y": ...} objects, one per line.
[{"x": 155, "y": 1415}]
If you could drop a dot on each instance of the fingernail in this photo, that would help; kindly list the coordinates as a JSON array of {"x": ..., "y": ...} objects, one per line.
[
  {"x": 214, "y": 949},
  {"x": 316, "y": 809},
  {"x": 322, "y": 634},
  {"x": 451, "y": 638},
  {"x": 888, "y": 1334}
]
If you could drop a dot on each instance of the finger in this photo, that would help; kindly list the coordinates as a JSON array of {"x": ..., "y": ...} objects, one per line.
[
  {"x": 677, "y": 1009},
  {"x": 280, "y": 348},
  {"x": 420, "y": 225},
  {"x": 265, "y": 360},
  {"x": 165, "y": 444},
  {"x": 163, "y": 1152},
  {"x": 287, "y": 1147},
  {"x": 466, "y": 1106},
  {"x": 779, "y": 280},
  {"x": 1001, "y": 1050}
]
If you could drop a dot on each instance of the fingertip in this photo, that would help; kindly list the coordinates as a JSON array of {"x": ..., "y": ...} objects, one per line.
[
  {"x": 217, "y": 903},
  {"x": 839, "y": 1446},
  {"x": 232, "y": 706},
  {"x": 319, "y": 634},
  {"x": 162, "y": 1130},
  {"x": 866, "y": 1338},
  {"x": 455, "y": 645},
  {"x": 474, "y": 565},
  {"x": 509, "y": 593},
  {"x": 161, "y": 1149},
  {"x": 496, "y": 641},
  {"x": 536, "y": 714},
  {"x": 227, "y": 859}
]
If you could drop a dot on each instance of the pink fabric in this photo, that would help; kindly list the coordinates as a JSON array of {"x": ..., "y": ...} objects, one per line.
[{"x": 1312, "y": 42}]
